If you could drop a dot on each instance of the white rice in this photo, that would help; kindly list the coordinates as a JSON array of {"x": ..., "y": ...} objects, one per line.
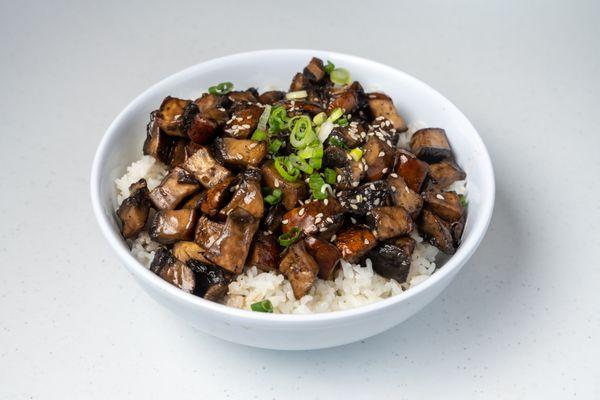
[{"x": 352, "y": 287}]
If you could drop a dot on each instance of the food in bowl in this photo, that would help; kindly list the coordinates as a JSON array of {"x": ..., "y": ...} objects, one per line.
[{"x": 317, "y": 199}]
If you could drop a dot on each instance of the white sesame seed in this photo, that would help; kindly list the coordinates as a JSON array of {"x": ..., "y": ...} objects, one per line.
[
  {"x": 355, "y": 184},
  {"x": 381, "y": 153},
  {"x": 326, "y": 201},
  {"x": 403, "y": 159},
  {"x": 439, "y": 196},
  {"x": 353, "y": 219},
  {"x": 372, "y": 186},
  {"x": 353, "y": 206},
  {"x": 338, "y": 178},
  {"x": 366, "y": 241},
  {"x": 376, "y": 202},
  {"x": 333, "y": 238},
  {"x": 319, "y": 215},
  {"x": 384, "y": 170},
  {"x": 330, "y": 220},
  {"x": 318, "y": 220},
  {"x": 394, "y": 188},
  {"x": 285, "y": 221},
  {"x": 301, "y": 212},
  {"x": 394, "y": 175},
  {"x": 276, "y": 184},
  {"x": 407, "y": 189},
  {"x": 323, "y": 229}
]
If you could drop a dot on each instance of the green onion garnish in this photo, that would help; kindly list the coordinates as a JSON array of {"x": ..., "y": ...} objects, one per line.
[
  {"x": 315, "y": 162},
  {"x": 329, "y": 67},
  {"x": 264, "y": 118},
  {"x": 341, "y": 76},
  {"x": 289, "y": 238},
  {"x": 299, "y": 163},
  {"x": 300, "y": 94},
  {"x": 330, "y": 176},
  {"x": 356, "y": 153},
  {"x": 314, "y": 150},
  {"x": 262, "y": 306},
  {"x": 335, "y": 114},
  {"x": 334, "y": 141},
  {"x": 463, "y": 200},
  {"x": 275, "y": 145},
  {"x": 221, "y": 88},
  {"x": 342, "y": 122},
  {"x": 320, "y": 118},
  {"x": 278, "y": 119},
  {"x": 259, "y": 135},
  {"x": 274, "y": 197},
  {"x": 286, "y": 169},
  {"x": 302, "y": 133},
  {"x": 316, "y": 185}
]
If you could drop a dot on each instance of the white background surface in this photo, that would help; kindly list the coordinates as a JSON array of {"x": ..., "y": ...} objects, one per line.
[{"x": 522, "y": 320}]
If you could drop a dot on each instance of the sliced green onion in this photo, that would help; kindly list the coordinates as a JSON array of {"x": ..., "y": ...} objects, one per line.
[
  {"x": 221, "y": 88},
  {"x": 463, "y": 200},
  {"x": 259, "y": 135},
  {"x": 262, "y": 306},
  {"x": 313, "y": 150},
  {"x": 341, "y": 76},
  {"x": 286, "y": 169},
  {"x": 335, "y": 114},
  {"x": 300, "y": 94},
  {"x": 330, "y": 176},
  {"x": 278, "y": 119},
  {"x": 320, "y": 118},
  {"x": 316, "y": 163},
  {"x": 302, "y": 133},
  {"x": 325, "y": 130},
  {"x": 316, "y": 183},
  {"x": 335, "y": 141},
  {"x": 274, "y": 197},
  {"x": 264, "y": 118},
  {"x": 356, "y": 153},
  {"x": 300, "y": 164},
  {"x": 275, "y": 145},
  {"x": 342, "y": 122},
  {"x": 329, "y": 67},
  {"x": 289, "y": 238}
]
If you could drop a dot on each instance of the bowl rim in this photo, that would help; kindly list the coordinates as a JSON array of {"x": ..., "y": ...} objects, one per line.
[{"x": 453, "y": 264}]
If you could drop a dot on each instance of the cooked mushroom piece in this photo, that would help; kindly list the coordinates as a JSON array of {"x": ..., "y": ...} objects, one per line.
[
  {"x": 299, "y": 268},
  {"x": 210, "y": 101},
  {"x": 403, "y": 196},
  {"x": 243, "y": 121},
  {"x": 207, "y": 232},
  {"x": 246, "y": 96},
  {"x": 437, "y": 231},
  {"x": 431, "y": 145},
  {"x": 178, "y": 152},
  {"x": 173, "y": 271},
  {"x": 201, "y": 129},
  {"x": 445, "y": 205},
  {"x": 361, "y": 200},
  {"x": 170, "y": 226},
  {"x": 230, "y": 249},
  {"x": 392, "y": 259},
  {"x": 319, "y": 217},
  {"x": 353, "y": 135},
  {"x": 205, "y": 168},
  {"x": 247, "y": 195},
  {"x": 299, "y": 107},
  {"x": 241, "y": 152},
  {"x": 170, "y": 116},
  {"x": 445, "y": 173},
  {"x": 133, "y": 211},
  {"x": 349, "y": 172},
  {"x": 346, "y": 99},
  {"x": 175, "y": 187},
  {"x": 382, "y": 105},
  {"x": 292, "y": 192},
  {"x": 195, "y": 201},
  {"x": 412, "y": 170},
  {"x": 353, "y": 243},
  {"x": 157, "y": 144},
  {"x": 389, "y": 222},
  {"x": 264, "y": 253},
  {"x": 211, "y": 281},
  {"x": 272, "y": 220},
  {"x": 325, "y": 254},
  {"x": 379, "y": 158},
  {"x": 215, "y": 197},
  {"x": 271, "y": 97},
  {"x": 314, "y": 71},
  {"x": 299, "y": 82},
  {"x": 185, "y": 251}
]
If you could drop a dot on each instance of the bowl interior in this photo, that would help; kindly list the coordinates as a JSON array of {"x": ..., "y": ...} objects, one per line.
[{"x": 273, "y": 69}]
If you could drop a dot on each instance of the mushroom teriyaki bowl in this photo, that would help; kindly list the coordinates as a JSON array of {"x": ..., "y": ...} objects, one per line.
[{"x": 350, "y": 195}]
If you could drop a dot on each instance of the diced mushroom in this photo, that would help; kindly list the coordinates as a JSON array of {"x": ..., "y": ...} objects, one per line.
[
  {"x": 445, "y": 173},
  {"x": 392, "y": 259},
  {"x": 264, "y": 253},
  {"x": 201, "y": 129},
  {"x": 325, "y": 254},
  {"x": 346, "y": 99},
  {"x": 437, "y": 231},
  {"x": 383, "y": 106},
  {"x": 170, "y": 226},
  {"x": 210, "y": 101},
  {"x": 353, "y": 243},
  {"x": 247, "y": 196},
  {"x": 216, "y": 197},
  {"x": 298, "y": 107},
  {"x": 272, "y": 220},
  {"x": 185, "y": 251},
  {"x": 299, "y": 82},
  {"x": 389, "y": 222},
  {"x": 431, "y": 145},
  {"x": 243, "y": 121},
  {"x": 299, "y": 268},
  {"x": 157, "y": 144},
  {"x": 271, "y": 97},
  {"x": 314, "y": 71},
  {"x": 353, "y": 134},
  {"x": 445, "y": 205},
  {"x": 205, "y": 168},
  {"x": 211, "y": 281},
  {"x": 195, "y": 201},
  {"x": 319, "y": 217},
  {"x": 349, "y": 172},
  {"x": 241, "y": 152},
  {"x": 173, "y": 271},
  {"x": 207, "y": 232},
  {"x": 231, "y": 248},
  {"x": 379, "y": 158},
  {"x": 412, "y": 170},
  {"x": 175, "y": 187},
  {"x": 292, "y": 192},
  {"x": 178, "y": 152},
  {"x": 403, "y": 196},
  {"x": 246, "y": 96},
  {"x": 361, "y": 200},
  {"x": 170, "y": 116},
  {"x": 134, "y": 210}
]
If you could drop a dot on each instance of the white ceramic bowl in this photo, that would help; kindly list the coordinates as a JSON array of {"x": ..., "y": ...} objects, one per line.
[{"x": 270, "y": 69}]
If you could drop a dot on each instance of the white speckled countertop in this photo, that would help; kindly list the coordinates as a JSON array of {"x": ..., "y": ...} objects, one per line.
[{"x": 521, "y": 321}]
